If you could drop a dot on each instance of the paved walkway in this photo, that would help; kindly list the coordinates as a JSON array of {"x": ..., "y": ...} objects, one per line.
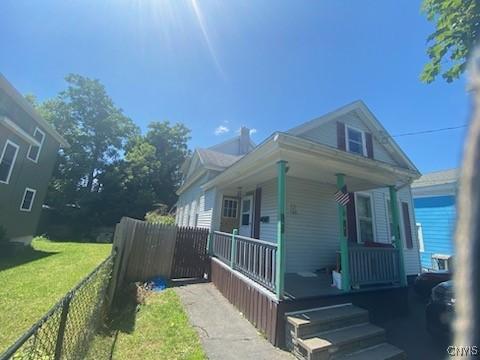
[{"x": 224, "y": 332}]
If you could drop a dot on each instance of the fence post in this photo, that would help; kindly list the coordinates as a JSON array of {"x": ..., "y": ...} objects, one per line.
[
  {"x": 62, "y": 326},
  {"x": 233, "y": 251}
]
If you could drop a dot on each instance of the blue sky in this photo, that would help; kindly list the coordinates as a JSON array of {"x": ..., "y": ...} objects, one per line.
[{"x": 269, "y": 65}]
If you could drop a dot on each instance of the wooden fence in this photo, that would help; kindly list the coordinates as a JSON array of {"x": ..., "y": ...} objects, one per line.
[{"x": 146, "y": 250}]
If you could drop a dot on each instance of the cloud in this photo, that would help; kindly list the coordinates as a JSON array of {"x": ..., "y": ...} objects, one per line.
[
  {"x": 221, "y": 130},
  {"x": 252, "y": 131}
]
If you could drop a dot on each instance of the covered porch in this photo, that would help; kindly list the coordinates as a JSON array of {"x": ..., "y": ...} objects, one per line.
[{"x": 278, "y": 224}]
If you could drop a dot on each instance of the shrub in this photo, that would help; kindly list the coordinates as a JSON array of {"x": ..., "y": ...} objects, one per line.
[{"x": 155, "y": 217}]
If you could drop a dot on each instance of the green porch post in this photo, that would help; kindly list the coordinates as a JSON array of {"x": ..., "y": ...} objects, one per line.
[
  {"x": 233, "y": 251},
  {"x": 280, "y": 261},
  {"x": 342, "y": 221},
  {"x": 397, "y": 241}
]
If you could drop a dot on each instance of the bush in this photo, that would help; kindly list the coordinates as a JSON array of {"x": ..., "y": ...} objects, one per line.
[{"x": 155, "y": 217}]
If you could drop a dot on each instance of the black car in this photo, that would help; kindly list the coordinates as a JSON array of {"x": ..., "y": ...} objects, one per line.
[
  {"x": 425, "y": 282},
  {"x": 441, "y": 309}
]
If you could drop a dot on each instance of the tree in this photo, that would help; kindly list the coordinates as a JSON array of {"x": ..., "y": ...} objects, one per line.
[
  {"x": 170, "y": 142},
  {"x": 110, "y": 170},
  {"x": 457, "y": 26},
  {"x": 96, "y": 130}
]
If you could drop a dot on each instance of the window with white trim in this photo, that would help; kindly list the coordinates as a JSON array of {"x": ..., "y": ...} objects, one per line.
[
  {"x": 7, "y": 161},
  {"x": 34, "y": 151},
  {"x": 28, "y": 199},
  {"x": 364, "y": 218},
  {"x": 421, "y": 246},
  {"x": 230, "y": 207},
  {"x": 355, "y": 139}
]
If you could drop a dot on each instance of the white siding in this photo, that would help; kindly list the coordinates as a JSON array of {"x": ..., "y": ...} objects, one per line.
[
  {"x": 311, "y": 228},
  {"x": 327, "y": 134},
  {"x": 311, "y": 224},
  {"x": 207, "y": 204},
  {"x": 194, "y": 200},
  {"x": 268, "y": 207}
]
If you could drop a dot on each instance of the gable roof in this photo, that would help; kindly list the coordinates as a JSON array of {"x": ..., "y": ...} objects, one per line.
[
  {"x": 28, "y": 108},
  {"x": 358, "y": 107},
  {"x": 437, "y": 178},
  {"x": 230, "y": 141},
  {"x": 216, "y": 160}
]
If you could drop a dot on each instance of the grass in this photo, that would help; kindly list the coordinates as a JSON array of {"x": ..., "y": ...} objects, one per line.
[
  {"x": 158, "y": 330},
  {"x": 34, "y": 279}
]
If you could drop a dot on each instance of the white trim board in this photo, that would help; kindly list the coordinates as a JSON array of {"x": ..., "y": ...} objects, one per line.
[{"x": 13, "y": 161}]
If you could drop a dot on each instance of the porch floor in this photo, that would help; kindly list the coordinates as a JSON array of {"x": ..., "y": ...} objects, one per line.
[{"x": 304, "y": 285}]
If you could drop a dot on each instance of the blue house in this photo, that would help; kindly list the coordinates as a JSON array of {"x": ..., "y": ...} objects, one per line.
[{"x": 434, "y": 196}]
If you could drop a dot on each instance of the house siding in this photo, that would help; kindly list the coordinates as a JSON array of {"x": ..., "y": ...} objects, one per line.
[
  {"x": 18, "y": 224},
  {"x": 327, "y": 134},
  {"x": 194, "y": 200},
  {"x": 437, "y": 216},
  {"x": 311, "y": 223}
]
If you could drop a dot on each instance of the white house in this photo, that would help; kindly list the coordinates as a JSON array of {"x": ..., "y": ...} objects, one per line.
[{"x": 282, "y": 192}]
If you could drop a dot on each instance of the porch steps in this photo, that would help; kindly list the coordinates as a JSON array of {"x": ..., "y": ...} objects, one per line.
[{"x": 337, "y": 332}]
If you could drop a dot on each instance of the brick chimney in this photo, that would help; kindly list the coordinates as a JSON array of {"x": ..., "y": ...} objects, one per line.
[{"x": 244, "y": 140}]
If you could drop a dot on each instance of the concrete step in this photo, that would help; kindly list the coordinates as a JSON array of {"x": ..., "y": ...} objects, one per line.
[
  {"x": 339, "y": 342},
  {"x": 383, "y": 351},
  {"x": 327, "y": 318}
]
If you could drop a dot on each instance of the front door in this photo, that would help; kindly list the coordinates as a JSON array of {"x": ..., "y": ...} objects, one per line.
[{"x": 246, "y": 216}]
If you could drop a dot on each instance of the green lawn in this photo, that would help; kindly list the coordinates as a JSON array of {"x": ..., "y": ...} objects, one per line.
[
  {"x": 32, "y": 281},
  {"x": 159, "y": 330}
]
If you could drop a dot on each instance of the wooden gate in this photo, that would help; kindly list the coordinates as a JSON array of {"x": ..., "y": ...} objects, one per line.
[{"x": 190, "y": 259}]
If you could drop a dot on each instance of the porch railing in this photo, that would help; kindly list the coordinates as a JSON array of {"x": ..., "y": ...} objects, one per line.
[
  {"x": 370, "y": 266},
  {"x": 222, "y": 246},
  {"x": 254, "y": 258}
]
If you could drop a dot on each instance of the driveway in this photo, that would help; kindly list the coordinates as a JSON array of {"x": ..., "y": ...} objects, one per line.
[
  {"x": 410, "y": 334},
  {"x": 224, "y": 332}
]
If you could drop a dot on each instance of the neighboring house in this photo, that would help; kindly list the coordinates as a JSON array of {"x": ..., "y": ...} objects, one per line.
[
  {"x": 28, "y": 151},
  {"x": 434, "y": 199}
]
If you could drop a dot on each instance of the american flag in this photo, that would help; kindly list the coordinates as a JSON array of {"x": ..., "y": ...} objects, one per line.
[{"x": 342, "y": 196}]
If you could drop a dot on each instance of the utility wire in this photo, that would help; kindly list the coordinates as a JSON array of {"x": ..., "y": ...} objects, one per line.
[{"x": 430, "y": 131}]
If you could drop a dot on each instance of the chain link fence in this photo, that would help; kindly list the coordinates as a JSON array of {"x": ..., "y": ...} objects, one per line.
[{"x": 65, "y": 332}]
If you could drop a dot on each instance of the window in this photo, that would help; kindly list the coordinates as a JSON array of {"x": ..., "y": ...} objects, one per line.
[
  {"x": 28, "y": 198},
  {"x": 355, "y": 141},
  {"x": 7, "y": 161},
  {"x": 365, "y": 218},
  {"x": 420, "y": 237},
  {"x": 230, "y": 207},
  {"x": 246, "y": 210},
  {"x": 34, "y": 151}
]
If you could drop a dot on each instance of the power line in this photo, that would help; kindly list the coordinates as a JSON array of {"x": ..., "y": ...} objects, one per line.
[{"x": 430, "y": 131}]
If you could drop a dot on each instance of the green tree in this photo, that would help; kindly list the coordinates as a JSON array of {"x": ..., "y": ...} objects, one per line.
[
  {"x": 457, "y": 26},
  {"x": 96, "y": 130},
  {"x": 170, "y": 142}
]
